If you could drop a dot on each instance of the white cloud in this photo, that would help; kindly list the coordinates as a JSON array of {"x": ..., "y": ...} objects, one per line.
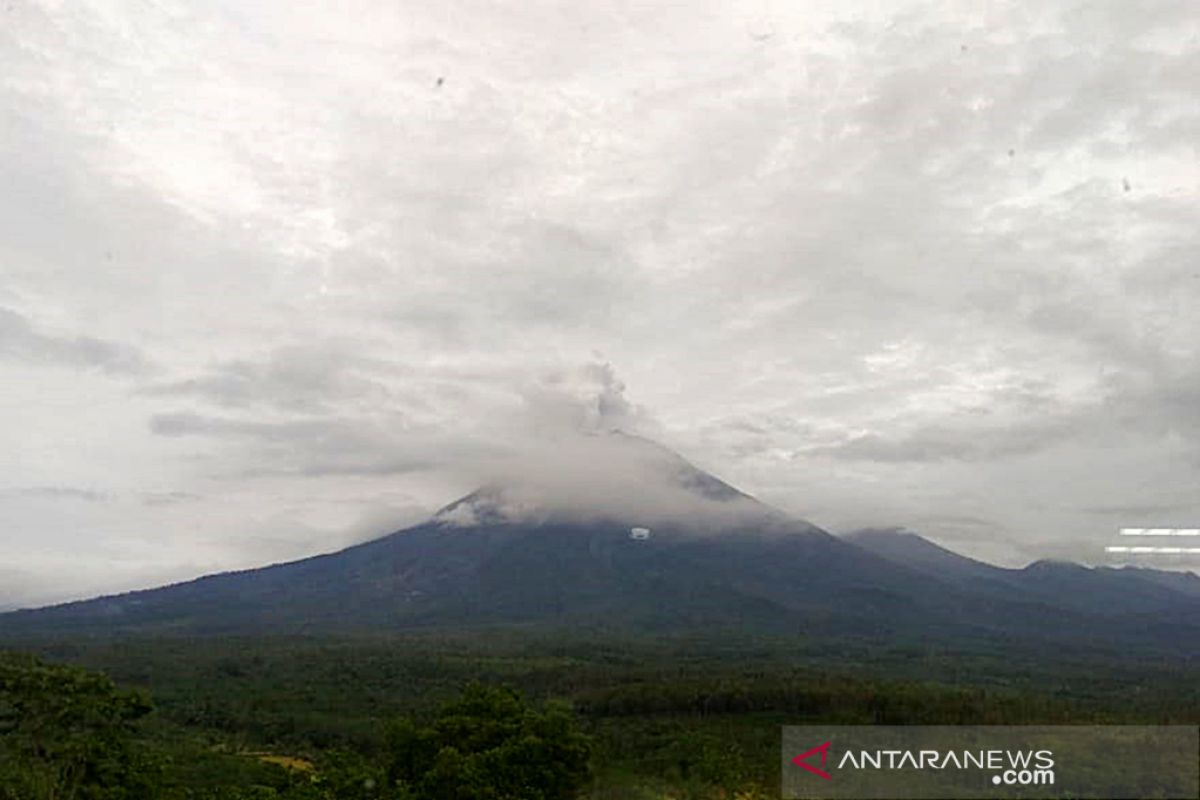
[{"x": 876, "y": 263}]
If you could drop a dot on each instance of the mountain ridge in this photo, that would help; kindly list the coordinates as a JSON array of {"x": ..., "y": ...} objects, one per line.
[{"x": 712, "y": 558}]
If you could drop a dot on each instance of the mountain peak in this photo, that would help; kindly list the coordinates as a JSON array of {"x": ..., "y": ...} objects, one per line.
[
  {"x": 611, "y": 475},
  {"x": 601, "y": 532}
]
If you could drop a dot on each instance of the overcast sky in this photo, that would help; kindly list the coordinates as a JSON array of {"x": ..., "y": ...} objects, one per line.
[{"x": 275, "y": 278}]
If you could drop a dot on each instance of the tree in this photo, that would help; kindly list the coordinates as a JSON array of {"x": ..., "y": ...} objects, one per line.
[
  {"x": 65, "y": 734},
  {"x": 489, "y": 744}
]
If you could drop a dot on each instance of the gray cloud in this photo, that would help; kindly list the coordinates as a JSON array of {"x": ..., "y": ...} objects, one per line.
[
  {"x": 1138, "y": 511},
  {"x": 57, "y": 493},
  {"x": 314, "y": 377},
  {"x": 304, "y": 447},
  {"x": 168, "y": 498},
  {"x": 965, "y": 444},
  {"x": 61, "y": 493},
  {"x": 543, "y": 407},
  {"x": 20, "y": 340},
  {"x": 880, "y": 267}
]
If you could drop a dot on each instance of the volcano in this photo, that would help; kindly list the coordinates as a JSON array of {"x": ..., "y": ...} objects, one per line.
[{"x": 652, "y": 544}]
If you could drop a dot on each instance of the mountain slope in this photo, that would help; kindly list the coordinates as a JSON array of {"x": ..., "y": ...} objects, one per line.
[
  {"x": 1058, "y": 583},
  {"x": 670, "y": 548},
  {"x": 901, "y": 546}
]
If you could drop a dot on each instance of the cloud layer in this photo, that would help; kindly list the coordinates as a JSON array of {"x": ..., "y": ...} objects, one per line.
[{"x": 295, "y": 276}]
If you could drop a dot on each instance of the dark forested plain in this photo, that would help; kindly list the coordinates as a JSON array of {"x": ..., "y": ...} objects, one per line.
[{"x": 512, "y": 712}]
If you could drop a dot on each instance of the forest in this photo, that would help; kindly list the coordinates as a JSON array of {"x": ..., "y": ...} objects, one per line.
[{"x": 506, "y": 713}]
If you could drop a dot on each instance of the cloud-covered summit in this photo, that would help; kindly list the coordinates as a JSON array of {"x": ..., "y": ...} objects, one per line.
[{"x": 610, "y": 476}]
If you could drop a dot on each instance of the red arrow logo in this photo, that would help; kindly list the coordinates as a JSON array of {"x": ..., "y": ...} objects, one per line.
[{"x": 823, "y": 749}]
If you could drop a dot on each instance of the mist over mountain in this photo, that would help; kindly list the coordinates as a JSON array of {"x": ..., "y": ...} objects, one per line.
[
  {"x": 656, "y": 544},
  {"x": 615, "y": 477}
]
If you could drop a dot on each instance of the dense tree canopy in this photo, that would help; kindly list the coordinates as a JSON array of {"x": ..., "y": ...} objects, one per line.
[
  {"x": 490, "y": 745},
  {"x": 65, "y": 733},
  {"x": 69, "y": 734},
  {"x": 308, "y": 719}
]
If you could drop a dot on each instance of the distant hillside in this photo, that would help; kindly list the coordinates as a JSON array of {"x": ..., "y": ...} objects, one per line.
[
  {"x": 706, "y": 557},
  {"x": 1059, "y": 583}
]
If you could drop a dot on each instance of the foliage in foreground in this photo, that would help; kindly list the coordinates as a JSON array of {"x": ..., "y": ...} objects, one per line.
[
  {"x": 66, "y": 732},
  {"x": 490, "y": 744}
]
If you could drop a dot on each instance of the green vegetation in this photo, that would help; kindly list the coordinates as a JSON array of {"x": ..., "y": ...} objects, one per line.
[
  {"x": 66, "y": 732},
  {"x": 489, "y": 743},
  {"x": 505, "y": 714}
]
